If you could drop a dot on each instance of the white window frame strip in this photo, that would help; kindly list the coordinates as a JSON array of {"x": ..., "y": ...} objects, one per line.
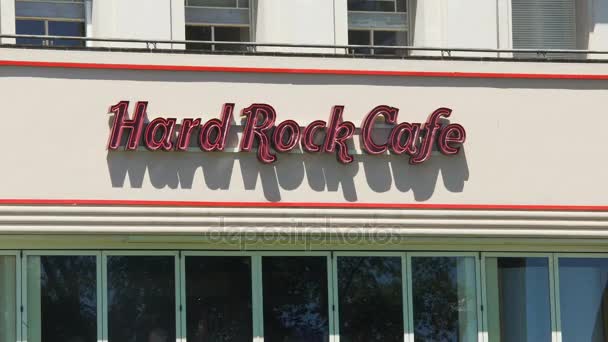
[
  {"x": 336, "y": 299},
  {"x": 550, "y": 265},
  {"x": 42, "y": 253},
  {"x": 478, "y": 285},
  {"x": 176, "y": 270},
  {"x": 18, "y": 285}
]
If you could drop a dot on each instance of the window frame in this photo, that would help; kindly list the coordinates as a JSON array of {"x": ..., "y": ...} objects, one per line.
[
  {"x": 478, "y": 285},
  {"x": 555, "y": 334},
  {"x": 41, "y": 253},
  {"x": 179, "y": 335},
  {"x": 407, "y": 332},
  {"x": 18, "y": 286},
  {"x": 330, "y": 292},
  {"x": 567, "y": 255},
  {"x": 371, "y": 29}
]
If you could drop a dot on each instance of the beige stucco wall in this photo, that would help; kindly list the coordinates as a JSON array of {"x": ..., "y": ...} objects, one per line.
[{"x": 529, "y": 142}]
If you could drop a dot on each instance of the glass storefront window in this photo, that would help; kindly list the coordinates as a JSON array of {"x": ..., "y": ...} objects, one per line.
[
  {"x": 218, "y": 298},
  {"x": 583, "y": 287},
  {"x": 8, "y": 297},
  {"x": 141, "y": 298},
  {"x": 370, "y": 293},
  {"x": 518, "y": 298},
  {"x": 62, "y": 298},
  {"x": 295, "y": 299},
  {"x": 444, "y": 295}
]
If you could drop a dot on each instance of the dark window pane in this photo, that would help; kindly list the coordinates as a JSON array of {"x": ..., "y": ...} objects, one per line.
[
  {"x": 583, "y": 287},
  {"x": 390, "y": 38},
  {"x": 359, "y": 37},
  {"x": 141, "y": 298},
  {"x": 370, "y": 299},
  {"x": 401, "y": 5},
  {"x": 66, "y": 28},
  {"x": 33, "y": 27},
  {"x": 243, "y": 3},
  {"x": 198, "y": 33},
  {"x": 218, "y": 298},
  {"x": 295, "y": 299},
  {"x": 231, "y": 34},
  {"x": 518, "y": 297},
  {"x": 371, "y": 5},
  {"x": 444, "y": 295},
  {"x": 62, "y": 298}
]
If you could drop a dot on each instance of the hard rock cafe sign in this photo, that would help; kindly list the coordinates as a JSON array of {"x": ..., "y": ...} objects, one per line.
[{"x": 263, "y": 132}]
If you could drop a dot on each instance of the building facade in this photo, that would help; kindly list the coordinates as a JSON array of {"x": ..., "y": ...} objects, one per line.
[{"x": 319, "y": 170}]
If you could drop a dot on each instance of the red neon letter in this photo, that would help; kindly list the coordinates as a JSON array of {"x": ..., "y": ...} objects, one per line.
[
  {"x": 338, "y": 133},
  {"x": 153, "y": 141},
  {"x": 390, "y": 116},
  {"x": 185, "y": 131},
  {"x": 308, "y": 136},
  {"x": 252, "y": 129},
  {"x": 121, "y": 122},
  {"x": 452, "y": 133},
  {"x": 409, "y": 145},
  {"x": 289, "y": 129},
  {"x": 221, "y": 126},
  {"x": 430, "y": 131}
]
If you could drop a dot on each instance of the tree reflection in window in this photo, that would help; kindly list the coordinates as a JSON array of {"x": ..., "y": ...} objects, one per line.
[
  {"x": 141, "y": 298},
  {"x": 444, "y": 299},
  {"x": 295, "y": 299},
  {"x": 370, "y": 299}
]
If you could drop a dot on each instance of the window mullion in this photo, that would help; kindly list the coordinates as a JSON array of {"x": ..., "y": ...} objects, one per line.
[
  {"x": 257, "y": 299},
  {"x": 334, "y": 302}
]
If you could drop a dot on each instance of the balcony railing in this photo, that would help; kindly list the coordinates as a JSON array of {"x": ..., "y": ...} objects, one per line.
[{"x": 255, "y": 48}]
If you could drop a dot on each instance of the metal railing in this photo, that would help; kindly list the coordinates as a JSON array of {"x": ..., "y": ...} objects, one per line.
[{"x": 313, "y": 49}]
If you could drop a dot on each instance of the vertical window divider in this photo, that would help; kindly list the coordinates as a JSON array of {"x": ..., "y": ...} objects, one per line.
[
  {"x": 179, "y": 305},
  {"x": 483, "y": 302},
  {"x": 554, "y": 295},
  {"x": 100, "y": 295},
  {"x": 407, "y": 329},
  {"x": 334, "y": 302},
  {"x": 410, "y": 303},
  {"x": 19, "y": 306},
  {"x": 104, "y": 296},
  {"x": 480, "y": 303},
  {"x": 257, "y": 299}
]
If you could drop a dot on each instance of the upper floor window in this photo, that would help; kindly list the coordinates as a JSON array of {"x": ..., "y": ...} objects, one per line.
[
  {"x": 544, "y": 24},
  {"x": 218, "y": 21},
  {"x": 50, "y": 18},
  {"x": 380, "y": 23}
]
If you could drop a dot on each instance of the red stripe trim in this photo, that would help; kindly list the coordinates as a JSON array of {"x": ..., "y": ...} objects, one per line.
[
  {"x": 112, "y": 66},
  {"x": 148, "y": 203}
]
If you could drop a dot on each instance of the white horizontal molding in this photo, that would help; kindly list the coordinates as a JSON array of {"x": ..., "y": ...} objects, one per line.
[{"x": 307, "y": 221}]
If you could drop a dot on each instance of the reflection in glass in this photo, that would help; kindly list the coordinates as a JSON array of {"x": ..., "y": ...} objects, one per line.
[
  {"x": 518, "y": 299},
  {"x": 295, "y": 299},
  {"x": 583, "y": 287},
  {"x": 62, "y": 298},
  {"x": 231, "y": 34},
  {"x": 8, "y": 297},
  {"x": 218, "y": 298},
  {"x": 29, "y": 27},
  {"x": 370, "y": 299},
  {"x": 359, "y": 37},
  {"x": 202, "y": 33},
  {"x": 444, "y": 299},
  {"x": 66, "y": 28},
  {"x": 141, "y": 298}
]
